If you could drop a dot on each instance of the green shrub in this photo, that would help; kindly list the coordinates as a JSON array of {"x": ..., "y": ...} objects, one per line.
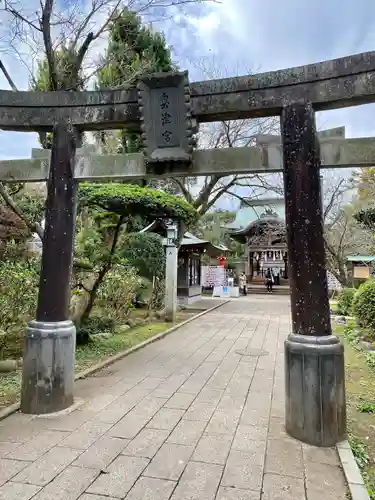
[
  {"x": 364, "y": 305},
  {"x": 345, "y": 301},
  {"x": 94, "y": 325},
  {"x": 118, "y": 291},
  {"x": 19, "y": 280}
]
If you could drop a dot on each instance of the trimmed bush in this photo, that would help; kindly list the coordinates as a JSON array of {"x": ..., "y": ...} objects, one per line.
[
  {"x": 345, "y": 301},
  {"x": 364, "y": 305}
]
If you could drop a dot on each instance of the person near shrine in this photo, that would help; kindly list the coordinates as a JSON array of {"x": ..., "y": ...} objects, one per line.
[
  {"x": 269, "y": 280},
  {"x": 243, "y": 283}
]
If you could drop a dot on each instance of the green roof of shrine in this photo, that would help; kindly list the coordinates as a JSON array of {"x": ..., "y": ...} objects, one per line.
[
  {"x": 360, "y": 258},
  {"x": 253, "y": 210},
  {"x": 189, "y": 240}
]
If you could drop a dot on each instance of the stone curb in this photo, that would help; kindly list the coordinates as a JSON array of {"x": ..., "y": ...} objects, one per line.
[
  {"x": 9, "y": 410},
  {"x": 352, "y": 473}
]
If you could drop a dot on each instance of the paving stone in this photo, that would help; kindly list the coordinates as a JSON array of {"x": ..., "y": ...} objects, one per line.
[
  {"x": 198, "y": 482},
  {"x": 169, "y": 387},
  {"x": 210, "y": 395},
  {"x": 149, "y": 406},
  {"x": 148, "y": 488},
  {"x": 69, "y": 422},
  {"x": 246, "y": 435},
  {"x": 147, "y": 443},
  {"x": 258, "y": 418},
  {"x": 102, "y": 452},
  {"x": 277, "y": 487},
  {"x": 150, "y": 383},
  {"x": 223, "y": 422},
  {"x": 187, "y": 432},
  {"x": 129, "y": 426},
  {"x": 326, "y": 481},
  {"x": 277, "y": 429},
  {"x": 18, "y": 491},
  {"x": 235, "y": 494},
  {"x": 88, "y": 496},
  {"x": 119, "y": 477},
  {"x": 169, "y": 462},
  {"x": 200, "y": 410},
  {"x": 278, "y": 410},
  {"x": 166, "y": 418},
  {"x": 284, "y": 458},
  {"x": 9, "y": 468},
  {"x": 180, "y": 401},
  {"x": 68, "y": 485},
  {"x": 99, "y": 402},
  {"x": 213, "y": 449},
  {"x": 19, "y": 430},
  {"x": 85, "y": 436},
  {"x": 255, "y": 450},
  {"x": 258, "y": 401},
  {"x": 47, "y": 467},
  {"x": 242, "y": 471},
  {"x": 231, "y": 403},
  {"x": 7, "y": 447},
  {"x": 37, "y": 446},
  {"x": 119, "y": 408},
  {"x": 321, "y": 455}
]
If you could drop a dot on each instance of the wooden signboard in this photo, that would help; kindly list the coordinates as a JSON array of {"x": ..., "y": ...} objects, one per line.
[{"x": 361, "y": 272}]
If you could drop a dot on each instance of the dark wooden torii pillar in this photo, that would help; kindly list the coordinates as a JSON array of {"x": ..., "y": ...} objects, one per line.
[{"x": 314, "y": 358}]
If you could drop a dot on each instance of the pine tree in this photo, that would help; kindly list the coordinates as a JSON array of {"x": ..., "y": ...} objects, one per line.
[{"x": 134, "y": 49}]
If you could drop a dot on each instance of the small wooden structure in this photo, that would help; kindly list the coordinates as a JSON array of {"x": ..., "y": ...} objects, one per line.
[
  {"x": 361, "y": 267},
  {"x": 191, "y": 251}
]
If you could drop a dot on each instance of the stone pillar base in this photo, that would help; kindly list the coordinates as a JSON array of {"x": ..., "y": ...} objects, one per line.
[
  {"x": 48, "y": 367},
  {"x": 315, "y": 410}
]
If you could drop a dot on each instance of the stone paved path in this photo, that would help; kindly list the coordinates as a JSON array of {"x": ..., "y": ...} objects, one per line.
[{"x": 186, "y": 418}]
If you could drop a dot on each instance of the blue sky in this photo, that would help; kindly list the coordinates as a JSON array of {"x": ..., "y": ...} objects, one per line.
[{"x": 236, "y": 37}]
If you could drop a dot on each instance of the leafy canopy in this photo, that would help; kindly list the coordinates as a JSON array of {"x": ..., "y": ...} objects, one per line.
[
  {"x": 145, "y": 252},
  {"x": 133, "y": 50},
  {"x": 69, "y": 75},
  {"x": 129, "y": 200},
  {"x": 366, "y": 218}
]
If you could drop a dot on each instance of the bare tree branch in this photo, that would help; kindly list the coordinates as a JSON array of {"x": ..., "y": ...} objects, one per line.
[
  {"x": 7, "y": 76},
  {"x": 46, "y": 30},
  {"x": 34, "y": 227}
]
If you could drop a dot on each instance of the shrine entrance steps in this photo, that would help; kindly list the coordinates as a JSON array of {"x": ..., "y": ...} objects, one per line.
[{"x": 260, "y": 289}]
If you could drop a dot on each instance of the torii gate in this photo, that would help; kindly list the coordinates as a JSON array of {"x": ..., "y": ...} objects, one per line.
[{"x": 166, "y": 108}]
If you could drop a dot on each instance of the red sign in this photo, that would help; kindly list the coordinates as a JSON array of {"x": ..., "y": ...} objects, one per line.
[{"x": 222, "y": 260}]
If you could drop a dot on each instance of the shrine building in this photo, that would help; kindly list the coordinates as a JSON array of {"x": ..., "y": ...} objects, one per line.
[{"x": 260, "y": 225}]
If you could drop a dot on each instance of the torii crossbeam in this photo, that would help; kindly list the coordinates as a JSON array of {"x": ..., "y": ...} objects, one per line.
[{"x": 90, "y": 165}]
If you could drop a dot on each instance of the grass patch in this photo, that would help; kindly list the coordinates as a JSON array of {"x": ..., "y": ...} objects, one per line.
[
  {"x": 360, "y": 398},
  {"x": 333, "y": 306},
  {"x": 10, "y": 384},
  {"x": 99, "y": 349}
]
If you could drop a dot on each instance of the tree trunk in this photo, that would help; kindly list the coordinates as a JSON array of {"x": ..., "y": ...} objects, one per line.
[
  {"x": 94, "y": 292},
  {"x": 79, "y": 302}
]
